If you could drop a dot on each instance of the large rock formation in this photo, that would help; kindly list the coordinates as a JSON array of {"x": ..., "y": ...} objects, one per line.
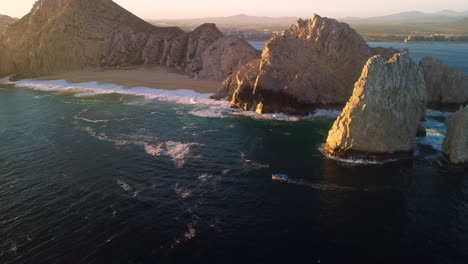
[
  {"x": 63, "y": 35},
  {"x": 5, "y": 21},
  {"x": 224, "y": 57},
  {"x": 445, "y": 86},
  {"x": 382, "y": 116},
  {"x": 313, "y": 63},
  {"x": 455, "y": 145}
]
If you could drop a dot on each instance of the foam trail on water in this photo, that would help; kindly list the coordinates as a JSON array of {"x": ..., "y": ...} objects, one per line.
[
  {"x": 335, "y": 187},
  {"x": 223, "y": 112}
]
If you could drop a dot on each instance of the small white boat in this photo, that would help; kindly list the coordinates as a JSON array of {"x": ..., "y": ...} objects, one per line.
[{"x": 280, "y": 177}]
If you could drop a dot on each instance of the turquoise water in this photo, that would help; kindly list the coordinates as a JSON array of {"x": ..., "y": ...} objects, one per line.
[
  {"x": 91, "y": 175},
  {"x": 452, "y": 54}
]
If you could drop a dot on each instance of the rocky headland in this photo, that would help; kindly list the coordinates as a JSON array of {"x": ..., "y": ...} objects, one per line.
[
  {"x": 314, "y": 63},
  {"x": 446, "y": 86},
  {"x": 455, "y": 145},
  {"x": 382, "y": 116},
  {"x": 66, "y": 35}
]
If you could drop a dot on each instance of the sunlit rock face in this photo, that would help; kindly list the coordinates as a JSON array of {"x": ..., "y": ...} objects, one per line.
[
  {"x": 382, "y": 116},
  {"x": 72, "y": 34},
  {"x": 455, "y": 145},
  {"x": 313, "y": 63},
  {"x": 445, "y": 85},
  {"x": 63, "y": 35}
]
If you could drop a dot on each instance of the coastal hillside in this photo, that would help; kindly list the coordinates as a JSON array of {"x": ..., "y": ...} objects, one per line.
[
  {"x": 64, "y": 35},
  {"x": 72, "y": 34},
  {"x": 5, "y": 21}
]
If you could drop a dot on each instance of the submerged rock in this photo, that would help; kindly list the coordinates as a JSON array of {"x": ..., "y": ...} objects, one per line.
[
  {"x": 382, "y": 116},
  {"x": 446, "y": 86},
  {"x": 313, "y": 63},
  {"x": 455, "y": 145}
]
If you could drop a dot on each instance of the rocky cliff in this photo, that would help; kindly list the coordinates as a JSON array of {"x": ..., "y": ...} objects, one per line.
[
  {"x": 5, "y": 21},
  {"x": 313, "y": 63},
  {"x": 382, "y": 116},
  {"x": 63, "y": 35},
  {"x": 455, "y": 145},
  {"x": 445, "y": 85}
]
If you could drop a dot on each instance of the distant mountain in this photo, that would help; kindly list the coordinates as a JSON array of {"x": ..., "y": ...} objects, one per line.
[
  {"x": 5, "y": 21},
  {"x": 241, "y": 19},
  {"x": 414, "y": 17}
]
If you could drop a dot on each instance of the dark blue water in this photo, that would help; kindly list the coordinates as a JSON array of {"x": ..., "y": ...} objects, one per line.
[
  {"x": 452, "y": 54},
  {"x": 125, "y": 179}
]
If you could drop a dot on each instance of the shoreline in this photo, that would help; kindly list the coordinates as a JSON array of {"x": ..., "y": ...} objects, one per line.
[{"x": 156, "y": 77}]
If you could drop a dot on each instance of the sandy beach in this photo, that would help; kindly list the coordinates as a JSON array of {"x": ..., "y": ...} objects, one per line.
[{"x": 148, "y": 76}]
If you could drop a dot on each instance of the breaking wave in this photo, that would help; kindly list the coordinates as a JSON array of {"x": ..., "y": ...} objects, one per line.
[{"x": 186, "y": 97}]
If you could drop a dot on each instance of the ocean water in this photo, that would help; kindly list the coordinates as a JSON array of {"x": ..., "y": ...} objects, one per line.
[
  {"x": 96, "y": 173},
  {"x": 452, "y": 54}
]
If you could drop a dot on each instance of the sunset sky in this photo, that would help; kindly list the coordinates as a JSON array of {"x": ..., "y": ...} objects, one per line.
[{"x": 152, "y": 9}]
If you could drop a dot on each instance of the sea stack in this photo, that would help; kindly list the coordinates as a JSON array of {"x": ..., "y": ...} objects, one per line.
[
  {"x": 382, "y": 116},
  {"x": 455, "y": 145},
  {"x": 314, "y": 63},
  {"x": 446, "y": 86}
]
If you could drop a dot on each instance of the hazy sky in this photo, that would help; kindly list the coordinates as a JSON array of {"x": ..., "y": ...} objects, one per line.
[{"x": 300, "y": 8}]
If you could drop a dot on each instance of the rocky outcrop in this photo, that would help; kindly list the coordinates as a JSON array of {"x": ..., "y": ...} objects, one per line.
[
  {"x": 244, "y": 78},
  {"x": 445, "y": 85},
  {"x": 224, "y": 57},
  {"x": 382, "y": 116},
  {"x": 455, "y": 145},
  {"x": 63, "y": 35},
  {"x": 5, "y": 21},
  {"x": 313, "y": 63}
]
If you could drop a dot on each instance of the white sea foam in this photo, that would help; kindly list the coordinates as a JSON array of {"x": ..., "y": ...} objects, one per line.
[
  {"x": 357, "y": 162},
  {"x": 217, "y": 108},
  {"x": 178, "y": 151},
  {"x": 225, "y": 111},
  {"x": 6, "y": 80},
  {"x": 124, "y": 185},
  {"x": 182, "y": 192},
  {"x": 90, "y": 120},
  {"x": 187, "y": 97}
]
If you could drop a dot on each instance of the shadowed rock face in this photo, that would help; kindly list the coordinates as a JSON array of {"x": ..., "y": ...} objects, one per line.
[
  {"x": 382, "y": 116},
  {"x": 63, "y": 35},
  {"x": 225, "y": 56},
  {"x": 445, "y": 86},
  {"x": 455, "y": 145},
  {"x": 313, "y": 63}
]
